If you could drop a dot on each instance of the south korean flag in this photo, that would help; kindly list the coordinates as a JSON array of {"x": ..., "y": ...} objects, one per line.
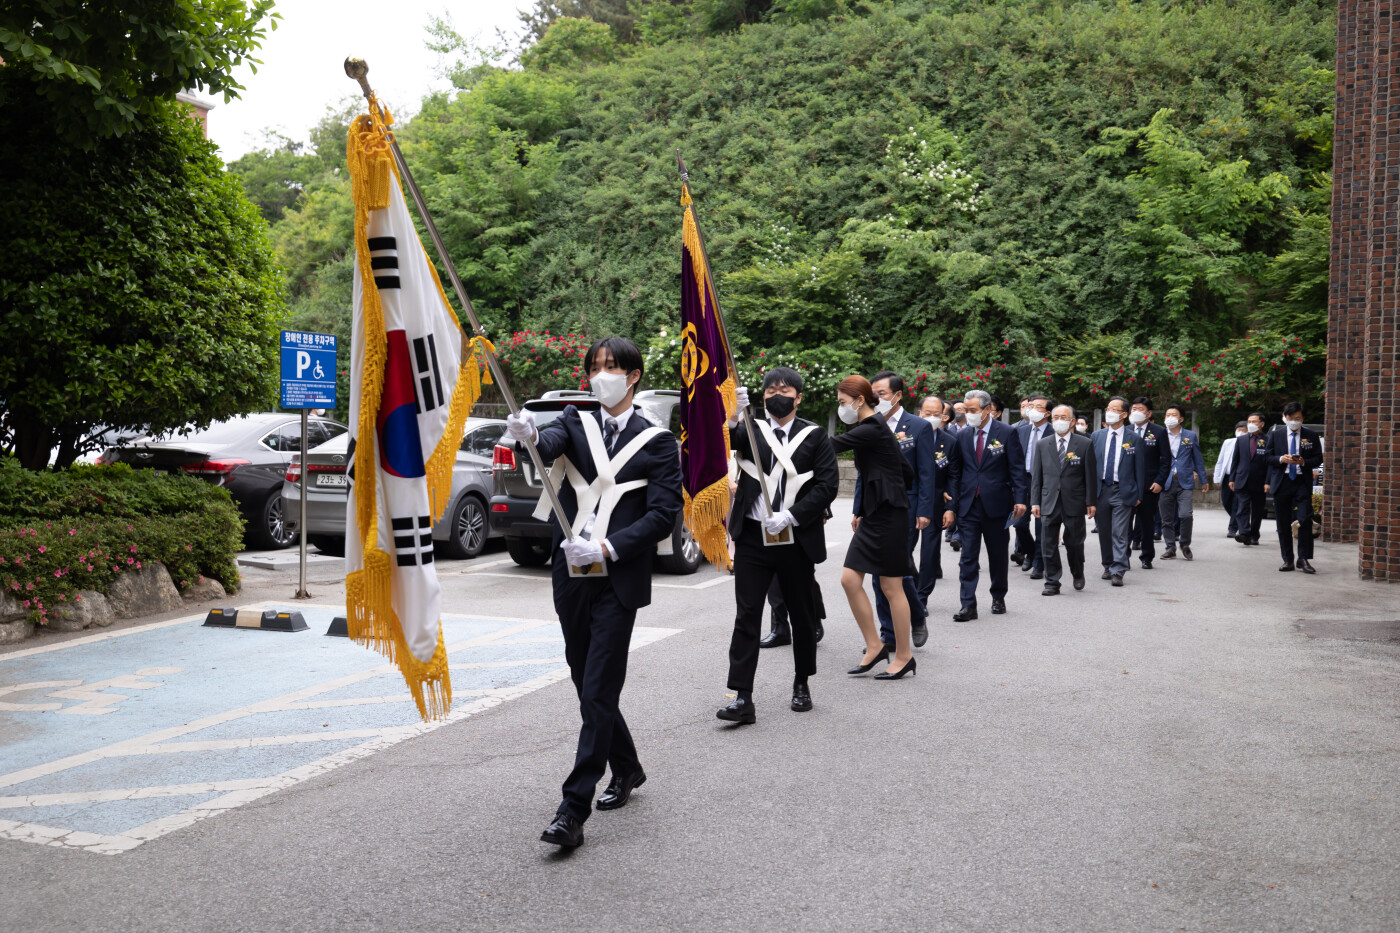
[{"x": 406, "y": 363}]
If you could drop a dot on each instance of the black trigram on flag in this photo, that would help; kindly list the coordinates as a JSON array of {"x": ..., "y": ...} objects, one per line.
[
  {"x": 413, "y": 541},
  {"x": 425, "y": 370},
  {"x": 384, "y": 261}
]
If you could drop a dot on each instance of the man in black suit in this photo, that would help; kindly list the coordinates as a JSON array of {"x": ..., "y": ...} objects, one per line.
[
  {"x": 1064, "y": 488},
  {"x": 936, "y": 413},
  {"x": 1248, "y": 477},
  {"x": 1034, "y": 426},
  {"x": 798, "y": 460},
  {"x": 1292, "y": 455},
  {"x": 1157, "y": 462},
  {"x": 597, "y": 613},
  {"x": 988, "y": 485},
  {"x": 1122, "y": 478}
]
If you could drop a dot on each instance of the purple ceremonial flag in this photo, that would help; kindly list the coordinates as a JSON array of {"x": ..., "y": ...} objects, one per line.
[{"x": 707, "y": 398}]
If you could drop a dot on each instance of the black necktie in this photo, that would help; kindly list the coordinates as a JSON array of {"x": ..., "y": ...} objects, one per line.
[
  {"x": 609, "y": 432},
  {"x": 781, "y": 435}
]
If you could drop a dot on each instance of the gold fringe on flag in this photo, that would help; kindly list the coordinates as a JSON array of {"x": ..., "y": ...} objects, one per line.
[{"x": 370, "y": 617}]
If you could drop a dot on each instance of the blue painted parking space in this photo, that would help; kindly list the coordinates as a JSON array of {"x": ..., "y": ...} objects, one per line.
[{"x": 110, "y": 741}]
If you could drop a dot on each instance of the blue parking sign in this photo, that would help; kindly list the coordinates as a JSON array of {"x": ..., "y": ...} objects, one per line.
[{"x": 308, "y": 370}]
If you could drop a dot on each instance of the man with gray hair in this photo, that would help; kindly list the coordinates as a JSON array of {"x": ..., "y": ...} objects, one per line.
[
  {"x": 1064, "y": 491},
  {"x": 988, "y": 486}
]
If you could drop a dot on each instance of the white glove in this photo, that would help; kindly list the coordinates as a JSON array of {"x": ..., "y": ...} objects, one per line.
[
  {"x": 581, "y": 552},
  {"x": 741, "y": 396},
  {"x": 521, "y": 426},
  {"x": 776, "y": 522}
]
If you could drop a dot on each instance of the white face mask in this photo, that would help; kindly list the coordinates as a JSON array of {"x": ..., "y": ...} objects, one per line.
[
  {"x": 1036, "y": 415},
  {"x": 610, "y": 388},
  {"x": 934, "y": 421},
  {"x": 1138, "y": 417},
  {"x": 1172, "y": 421},
  {"x": 847, "y": 414},
  {"x": 1252, "y": 428},
  {"x": 883, "y": 407},
  {"x": 1061, "y": 427},
  {"x": 1239, "y": 434},
  {"x": 1025, "y": 413},
  {"x": 1294, "y": 425},
  {"x": 1112, "y": 417},
  {"x": 1082, "y": 428},
  {"x": 974, "y": 421}
]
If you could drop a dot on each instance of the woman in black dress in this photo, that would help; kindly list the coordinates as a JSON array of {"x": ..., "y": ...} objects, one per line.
[{"x": 881, "y": 542}]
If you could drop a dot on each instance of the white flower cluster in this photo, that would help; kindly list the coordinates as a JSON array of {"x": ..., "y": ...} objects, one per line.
[
  {"x": 779, "y": 252},
  {"x": 949, "y": 182}
]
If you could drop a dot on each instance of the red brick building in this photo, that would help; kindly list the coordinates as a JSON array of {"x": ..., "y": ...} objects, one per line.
[
  {"x": 1363, "y": 331},
  {"x": 199, "y": 109}
]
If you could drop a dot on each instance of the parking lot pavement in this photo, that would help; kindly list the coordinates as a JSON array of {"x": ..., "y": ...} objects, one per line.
[{"x": 116, "y": 739}]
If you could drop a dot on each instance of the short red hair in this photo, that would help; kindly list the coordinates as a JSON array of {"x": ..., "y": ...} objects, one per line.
[{"x": 855, "y": 386}]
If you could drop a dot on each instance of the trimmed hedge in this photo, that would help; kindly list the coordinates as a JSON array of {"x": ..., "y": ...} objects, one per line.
[{"x": 80, "y": 528}]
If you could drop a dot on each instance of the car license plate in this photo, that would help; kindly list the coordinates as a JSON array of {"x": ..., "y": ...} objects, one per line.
[{"x": 330, "y": 479}]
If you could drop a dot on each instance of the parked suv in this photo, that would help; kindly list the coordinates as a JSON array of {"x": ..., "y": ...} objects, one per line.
[{"x": 517, "y": 488}]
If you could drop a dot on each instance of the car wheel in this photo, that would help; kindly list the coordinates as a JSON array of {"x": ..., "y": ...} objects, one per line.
[
  {"x": 528, "y": 552},
  {"x": 330, "y": 545},
  {"x": 466, "y": 529},
  {"x": 685, "y": 556},
  {"x": 270, "y": 531}
]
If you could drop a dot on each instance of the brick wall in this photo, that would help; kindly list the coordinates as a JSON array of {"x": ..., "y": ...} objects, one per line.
[{"x": 1363, "y": 407}]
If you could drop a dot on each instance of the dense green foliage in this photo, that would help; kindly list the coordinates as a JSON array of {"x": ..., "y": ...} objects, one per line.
[
  {"x": 1033, "y": 191},
  {"x": 139, "y": 289},
  {"x": 92, "y": 70},
  {"x": 79, "y": 529}
]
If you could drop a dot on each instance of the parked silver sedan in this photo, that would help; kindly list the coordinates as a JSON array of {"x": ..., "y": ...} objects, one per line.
[{"x": 463, "y": 528}]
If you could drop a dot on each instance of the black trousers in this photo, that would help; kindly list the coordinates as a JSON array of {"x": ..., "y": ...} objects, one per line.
[
  {"x": 755, "y": 568},
  {"x": 1227, "y": 501},
  {"x": 597, "y": 634},
  {"x": 777, "y": 606},
  {"x": 1075, "y": 531},
  {"x": 1293, "y": 502},
  {"x": 1249, "y": 512},
  {"x": 978, "y": 527},
  {"x": 1145, "y": 522}
]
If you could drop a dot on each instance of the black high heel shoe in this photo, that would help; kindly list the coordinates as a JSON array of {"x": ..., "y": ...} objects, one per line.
[
  {"x": 906, "y": 669},
  {"x": 884, "y": 655}
]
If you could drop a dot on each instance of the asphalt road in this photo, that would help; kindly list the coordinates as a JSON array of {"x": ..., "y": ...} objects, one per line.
[{"x": 1213, "y": 747}]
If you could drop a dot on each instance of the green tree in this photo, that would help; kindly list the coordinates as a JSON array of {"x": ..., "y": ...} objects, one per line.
[
  {"x": 139, "y": 291},
  {"x": 91, "y": 70}
]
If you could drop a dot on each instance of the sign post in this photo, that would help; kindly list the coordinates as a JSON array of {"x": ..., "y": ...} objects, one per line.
[{"x": 308, "y": 381}]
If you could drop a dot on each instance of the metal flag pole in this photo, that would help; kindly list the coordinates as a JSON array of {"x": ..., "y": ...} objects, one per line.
[
  {"x": 785, "y": 536},
  {"x": 357, "y": 68}
]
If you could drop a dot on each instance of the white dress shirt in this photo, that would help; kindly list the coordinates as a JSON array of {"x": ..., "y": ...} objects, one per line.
[
  {"x": 892, "y": 419},
  {"x": 1222, "y": 463}
]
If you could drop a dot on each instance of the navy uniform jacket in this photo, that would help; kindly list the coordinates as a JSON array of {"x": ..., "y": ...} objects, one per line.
[
  {"x": 1000, "y": 480},
  {"x": 1189, "y": 460},
  {"x": 1249, "y": 469},
  {"x": 642, "y": 518},
  {"x": 944, "y": 442},
  {"x": 1156, "y": 452},
  {"x": 813, "y": 501},
  {"x": 916, "y": 442},
  {"x": 1309, "y": 445},
  {"x": 1132, "y": 463}
]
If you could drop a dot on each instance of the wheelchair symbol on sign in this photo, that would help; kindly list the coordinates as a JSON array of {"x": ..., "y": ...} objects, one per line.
[
  {"x": 94, "y": 701},
  {"x": 318, "y": 372}
]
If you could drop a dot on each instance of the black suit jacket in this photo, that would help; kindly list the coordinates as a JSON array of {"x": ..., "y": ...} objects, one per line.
[
  {"x": 1065, "y": 487},
  {"x": 811, "y": 506},
  {"x": 1158, "y": 461},
  {"x": 642, "y": 517},
  {"x": 1249, "y": 468},
  {"x": 1309, "y": 445},
  {"x": 883, "y": 472},
  {"x": 944, "y": 444}
]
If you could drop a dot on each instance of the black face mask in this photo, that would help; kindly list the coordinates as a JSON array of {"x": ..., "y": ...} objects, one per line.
[{"x": 779, "y": 406}]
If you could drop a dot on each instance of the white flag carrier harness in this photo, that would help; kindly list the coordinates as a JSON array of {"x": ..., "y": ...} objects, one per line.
[
  {"x": 596, "y": 500},
  {"x": 782, "y": 462}
]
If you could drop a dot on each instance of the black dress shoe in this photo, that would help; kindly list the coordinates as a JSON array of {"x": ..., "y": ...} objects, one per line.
[
  {"x": 965, "y": 614},
  {"x": 1117, "y": 579},
  {"x": 1037, "y": 574},
  {"x": 801, "y": 698},
  {"x": 1287, "y": 567},
  {"x": 906, "y": 669},
  {"x": 1305, "y": 565},
  {"x": 1186, "y": 551},
  {"x": 1027, "y": 564},
  {"x": 1079, "y": 582},
  {"x": 741, "y": 711},
  {"x": 920, "y": 634},
  {"x": 1051, "y": 589},
  {"x": 1146, "y": 564},
  {"x": 1106, "y": 574},
  {"x": 818, "y": 632},
  {"x": 955, "y": 544},
  {"x": 620, "y": 791},
  {"x": 564, "y": 831},
  {"x": 1242, "y": 539},
  {"x": 865, "y": 668},
  {"x": 998, "y": 607},
  {"x": 1157, "y": 537},
  {"x": 1017, "y": 557},
  {"x": 1231, "y": 533},
  {"x": 1169, "y": 554},
  {"x": 775, "y": 639}
]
